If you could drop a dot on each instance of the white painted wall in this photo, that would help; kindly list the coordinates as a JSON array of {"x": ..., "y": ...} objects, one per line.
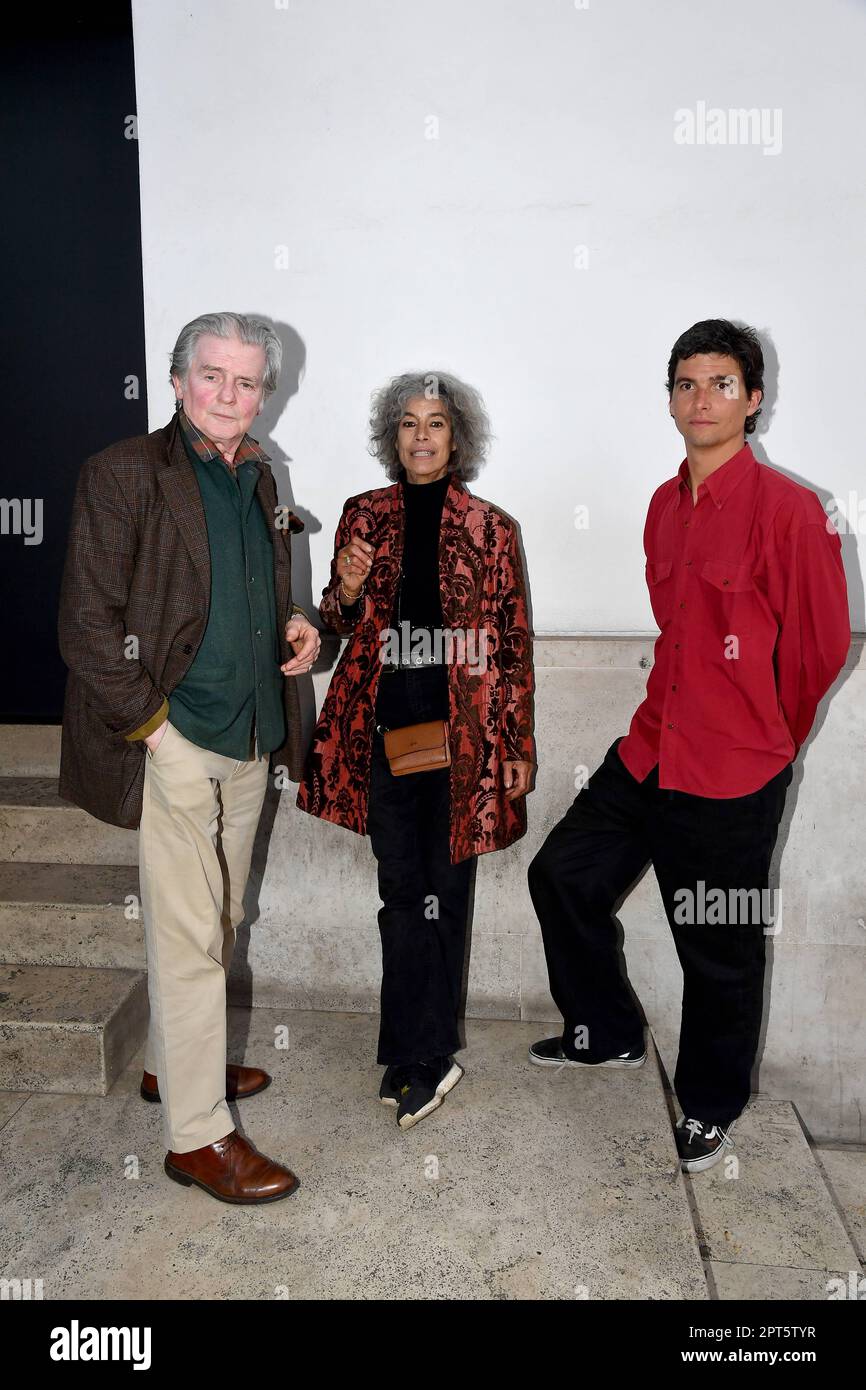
[{"x": 305, "y": 125}]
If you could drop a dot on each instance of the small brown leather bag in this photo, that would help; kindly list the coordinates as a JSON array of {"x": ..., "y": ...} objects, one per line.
[{"x": 418, "y": 747}]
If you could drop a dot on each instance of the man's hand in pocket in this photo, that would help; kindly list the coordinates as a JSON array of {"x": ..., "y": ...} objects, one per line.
[{"x": 155, "y": 739}]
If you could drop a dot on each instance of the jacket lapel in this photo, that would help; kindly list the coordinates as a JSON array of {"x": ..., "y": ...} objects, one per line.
[
  {"x": 266, "y": 492},
  {"x": 388, "y": 534},
  {"x": 454, "y": 511},
  {"x": 180, "y": 487}
]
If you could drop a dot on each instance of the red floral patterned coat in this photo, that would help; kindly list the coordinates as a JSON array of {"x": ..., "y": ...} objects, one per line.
[{"x": 482, "y": 587}]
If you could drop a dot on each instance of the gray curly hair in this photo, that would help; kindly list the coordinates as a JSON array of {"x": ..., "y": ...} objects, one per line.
[
  {"x": 470, "y": 426},
  {"x": 253, "y": 332}
]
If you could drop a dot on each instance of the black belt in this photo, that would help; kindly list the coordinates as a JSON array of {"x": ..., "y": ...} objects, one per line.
[{"x": 416, "y": 663}]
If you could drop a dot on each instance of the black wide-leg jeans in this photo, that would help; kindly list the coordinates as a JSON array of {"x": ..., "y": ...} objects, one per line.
[
  {"x": 425, "y": 898},
  {"x": 696, "y": 844}
]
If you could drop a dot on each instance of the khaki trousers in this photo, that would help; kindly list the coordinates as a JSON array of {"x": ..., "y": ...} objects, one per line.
[{"x": 198, "y": 823}]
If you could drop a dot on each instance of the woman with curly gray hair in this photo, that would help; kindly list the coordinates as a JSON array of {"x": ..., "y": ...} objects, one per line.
[{"x": 425, "y": 737}]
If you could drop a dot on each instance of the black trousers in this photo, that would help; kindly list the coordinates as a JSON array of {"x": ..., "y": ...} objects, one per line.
[
  {"x": 696, "y": 844},
  {"x": 425, "y": 898}
]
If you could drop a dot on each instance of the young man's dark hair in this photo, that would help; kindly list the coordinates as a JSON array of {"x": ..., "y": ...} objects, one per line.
[{"x": 719, "y": 335}]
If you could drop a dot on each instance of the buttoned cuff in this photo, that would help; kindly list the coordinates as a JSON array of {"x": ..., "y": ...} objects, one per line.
[
  {"x": 152, "y": 724},
  {"x": 296, "y": 609}
]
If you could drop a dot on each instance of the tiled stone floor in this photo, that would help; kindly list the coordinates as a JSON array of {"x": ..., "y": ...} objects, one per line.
[{"x": 526, "y": 1184}]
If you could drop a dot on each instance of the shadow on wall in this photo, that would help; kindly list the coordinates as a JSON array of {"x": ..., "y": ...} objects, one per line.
[
  {"x": 848, "y": 536},
  {"x": 847, "y": 528},
  {"x": 288, "y": 386}
]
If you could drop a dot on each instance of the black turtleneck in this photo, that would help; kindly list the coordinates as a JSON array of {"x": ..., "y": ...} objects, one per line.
[{"x": 418, "y": 600}]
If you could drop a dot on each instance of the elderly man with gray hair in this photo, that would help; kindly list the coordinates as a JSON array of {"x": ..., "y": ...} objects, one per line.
[{"x": 179, "y": 631}]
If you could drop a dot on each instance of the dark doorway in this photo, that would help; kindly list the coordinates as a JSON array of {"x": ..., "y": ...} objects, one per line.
[{"x": 73, "y": 337}]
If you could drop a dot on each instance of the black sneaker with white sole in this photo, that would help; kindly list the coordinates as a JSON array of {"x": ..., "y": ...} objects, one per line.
[
  {"x": 422, "y": 1086},
  {"x": 701, "y": 1145},
  {"x": 549, "y": 1053}
]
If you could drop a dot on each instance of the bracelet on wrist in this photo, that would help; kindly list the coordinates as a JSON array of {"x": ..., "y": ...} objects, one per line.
[{"x": 351, "y": 598}]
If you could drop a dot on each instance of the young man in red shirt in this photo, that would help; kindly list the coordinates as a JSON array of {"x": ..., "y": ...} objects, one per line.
[{"x": 747, "y": 587}]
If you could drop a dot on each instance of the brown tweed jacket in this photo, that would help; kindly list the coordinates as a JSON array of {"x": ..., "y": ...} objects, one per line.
[{"x": 133, "y": 610}]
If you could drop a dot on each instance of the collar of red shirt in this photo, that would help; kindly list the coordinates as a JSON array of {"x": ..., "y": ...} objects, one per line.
[
  {"x": 722, "y": 481},
  {"x": 248, "y": 450}
]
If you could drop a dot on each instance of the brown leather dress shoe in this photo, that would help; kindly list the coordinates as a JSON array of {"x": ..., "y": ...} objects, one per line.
[
  {"x": 232, "y": 1170},
  {"x": 240, "y": 1083}
]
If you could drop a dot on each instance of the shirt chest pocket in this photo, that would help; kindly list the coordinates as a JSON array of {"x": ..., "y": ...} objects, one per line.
[
  {"x": 730, "y": 596},
  {"x": 661, "y": 589}
]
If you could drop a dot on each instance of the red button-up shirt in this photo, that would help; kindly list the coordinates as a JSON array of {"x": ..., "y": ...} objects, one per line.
[{"x": 747, "y": 587}]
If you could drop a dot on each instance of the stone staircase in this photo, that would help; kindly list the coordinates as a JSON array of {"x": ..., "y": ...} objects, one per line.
[{"x": 73, "y": 989}]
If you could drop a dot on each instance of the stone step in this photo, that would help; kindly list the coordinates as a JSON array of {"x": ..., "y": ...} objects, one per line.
[
  {"x": 844, "y": 1170},
  {"x": 69, "y": 1029},
  {"x": 29, "y": 750},
  {"x": 38, "y": 826},
  {"x": 767, "y": 1223},
  {"x": 70, "y": 914}
]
